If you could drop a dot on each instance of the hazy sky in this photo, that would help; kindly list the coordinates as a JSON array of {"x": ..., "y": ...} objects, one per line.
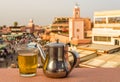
[{"x": 44, "y": 11}]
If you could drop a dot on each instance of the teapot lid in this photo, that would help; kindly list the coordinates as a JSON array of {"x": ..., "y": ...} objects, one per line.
[{"x": 56, "y": 44}]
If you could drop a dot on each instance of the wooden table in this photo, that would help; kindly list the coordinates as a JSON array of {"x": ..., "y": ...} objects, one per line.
[{"x": 77, "y": 75}]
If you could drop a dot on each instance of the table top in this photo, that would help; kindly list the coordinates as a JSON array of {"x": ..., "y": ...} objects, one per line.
[{"x": 77, "y": 75}]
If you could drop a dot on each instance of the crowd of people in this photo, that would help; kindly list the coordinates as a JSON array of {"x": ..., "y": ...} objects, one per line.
[{"x": 8, "y": 54}]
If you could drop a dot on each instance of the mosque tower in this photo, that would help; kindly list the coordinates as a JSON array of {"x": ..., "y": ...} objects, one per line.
[
  {"x": 76, "y": 25},
  {"x": 76, "y": 11},
  {"x": 31, "y": 26}
]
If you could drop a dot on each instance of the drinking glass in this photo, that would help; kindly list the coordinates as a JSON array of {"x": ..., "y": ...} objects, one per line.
[{"x": 27, "y": 61}]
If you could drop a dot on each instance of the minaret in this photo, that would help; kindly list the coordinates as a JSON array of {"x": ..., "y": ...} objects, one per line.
[
  {"x": 76, "y": 25},
  {"x": 76, "y": 11},
  {"x": 31, "y": 26}
]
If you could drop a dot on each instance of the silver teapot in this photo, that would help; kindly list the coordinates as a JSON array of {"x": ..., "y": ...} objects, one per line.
[{"x": 55, "y": 59}]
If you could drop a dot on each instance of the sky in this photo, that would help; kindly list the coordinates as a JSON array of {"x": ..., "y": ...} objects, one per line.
[{"x": 43, "y": 11}]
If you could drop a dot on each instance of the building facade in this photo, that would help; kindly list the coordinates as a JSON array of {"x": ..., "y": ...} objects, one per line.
[
  {"x": 106, "y": 28},
  {"x": 107, "y": 19},
  {"x": 60, "y": 24},
  {"x": 15, "y": 29}
]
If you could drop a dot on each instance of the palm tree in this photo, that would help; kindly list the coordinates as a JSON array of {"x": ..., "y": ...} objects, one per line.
[
  {"x": 1, "y": 27},
  {"x": 4, "y": 26},
  {"x": 15, "y": 24}
]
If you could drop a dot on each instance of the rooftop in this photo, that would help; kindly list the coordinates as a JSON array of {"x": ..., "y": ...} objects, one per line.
[{"x": 100, "y": 47}]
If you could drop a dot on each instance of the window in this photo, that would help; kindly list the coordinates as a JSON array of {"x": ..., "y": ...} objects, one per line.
[
  {"x": 114, "y": 20},
  {"x": 76, "y": 13},
  {"x": 102, "y": 38},
  {"x": 100, "y": 20},
  {"x": 78, "y": 30}
]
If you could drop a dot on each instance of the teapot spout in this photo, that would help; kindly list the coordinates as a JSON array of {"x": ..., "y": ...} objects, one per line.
[{"x": 42, "y": 53}]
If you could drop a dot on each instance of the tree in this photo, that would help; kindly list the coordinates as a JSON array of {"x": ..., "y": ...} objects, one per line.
[
  {"x": 15, "y": 24},
  {"x": 4, "y": 26},
  {"x": 1, "y": 27}
]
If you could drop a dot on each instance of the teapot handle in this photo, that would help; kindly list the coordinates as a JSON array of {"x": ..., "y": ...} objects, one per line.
[{"x": 76, "y": 59}]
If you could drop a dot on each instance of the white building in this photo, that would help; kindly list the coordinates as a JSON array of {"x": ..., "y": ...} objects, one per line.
[
  {"x": 106, "y": 28},
  {"x": 106, "y": 36}
]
